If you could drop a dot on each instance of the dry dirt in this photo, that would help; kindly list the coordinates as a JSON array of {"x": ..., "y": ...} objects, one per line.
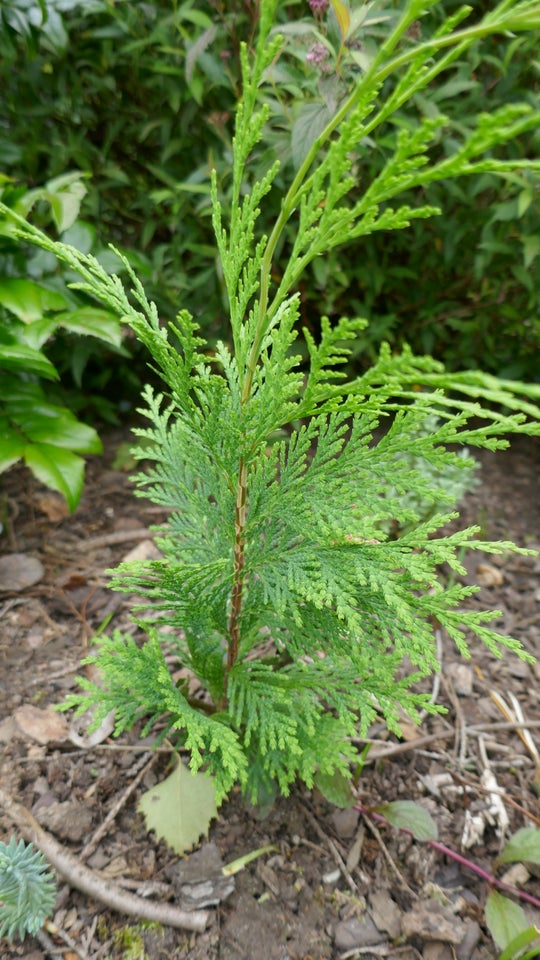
[{"x": 336, "y": 885}]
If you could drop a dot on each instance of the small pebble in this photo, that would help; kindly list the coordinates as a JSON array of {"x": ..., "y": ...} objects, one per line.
[{"x": 356, "y": 933}]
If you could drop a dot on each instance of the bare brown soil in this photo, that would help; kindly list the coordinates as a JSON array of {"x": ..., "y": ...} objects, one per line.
[{"x": 335, "y": 885}]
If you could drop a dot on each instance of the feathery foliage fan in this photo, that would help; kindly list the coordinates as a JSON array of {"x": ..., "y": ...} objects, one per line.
[{"x": 281, "y": 588}]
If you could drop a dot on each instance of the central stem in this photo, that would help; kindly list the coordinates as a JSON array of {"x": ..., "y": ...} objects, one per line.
[{"x": 238, "y": 571}]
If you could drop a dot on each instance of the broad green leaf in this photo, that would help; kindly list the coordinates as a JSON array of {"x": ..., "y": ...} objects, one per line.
[
  {"x": 310, "y": 122},
  {"x": 12, "y": 445},
  {"x": 179, "y": 809},
  {"x": 93, "y": 322},
  {"x": 202, "y": 42},
  {"x": 505, "y": 919},
  {"x": 407, "y": 815},
  {"x": 23, "y": 359},
  {"x": 336, "y": 788},
  {"x": 58, "y": 427},
  {"x": 81, "y": 235},
  {"x": 15, "y": 390},
  {"x": 37, "y": 333},
  {"x": 28, "y": 300},
  {"x": 343, "y": 16},
  {"x": 65, "y": 194},
  {"x": 531, "y": 249},
  {"x": 524, "y": 200},
  {"x": 53, "y": 28},
  {"x": 56, "y": 468},
  {"x": 516, "y": 946},
  {"x": 524, "y": 845}
]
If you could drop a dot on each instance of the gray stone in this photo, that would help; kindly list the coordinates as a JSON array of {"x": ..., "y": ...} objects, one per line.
[
  {"x": 386, "y": 914},
  {"x": 70, "y": 820},
  {"x": 356, "y": 932},
  {"x": 469, "y": 943}
]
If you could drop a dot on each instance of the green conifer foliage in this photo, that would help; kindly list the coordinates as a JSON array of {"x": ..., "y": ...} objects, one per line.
[{"x": 281, "y": 586}]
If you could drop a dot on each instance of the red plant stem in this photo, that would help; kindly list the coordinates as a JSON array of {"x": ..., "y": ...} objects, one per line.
[{"x": 459, "y": 858}]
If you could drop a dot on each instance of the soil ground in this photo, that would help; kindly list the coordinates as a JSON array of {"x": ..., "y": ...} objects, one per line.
[{"x": 336, "y": 885}]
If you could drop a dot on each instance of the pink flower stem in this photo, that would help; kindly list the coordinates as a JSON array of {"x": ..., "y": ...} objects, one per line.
[{"x": 489, "y": 878}]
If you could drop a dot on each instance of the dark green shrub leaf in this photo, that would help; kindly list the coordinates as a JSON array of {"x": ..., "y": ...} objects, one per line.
[
  {"x": 59, "y": 428},
  {"x": 56, "y": 468},
  {"x": 22, "y": 359},
  {"x": 29, "y": 300},
  {"x": 12, "y": 445},
  {"x": 93, "y": 322}
]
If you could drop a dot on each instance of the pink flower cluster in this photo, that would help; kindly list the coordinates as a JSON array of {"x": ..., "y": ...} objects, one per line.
[
  {"x": 319, "y": 6},
  {"x": 317, "y": 54}
]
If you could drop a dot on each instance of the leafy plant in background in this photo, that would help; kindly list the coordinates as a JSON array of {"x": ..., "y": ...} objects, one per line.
[
  {"x": 70, "y": 68},
  {"x": 117, "y": 92},
  {"x": 27, "y": 890},
  {"x": 279, "y": 589},
  {"x": 37, "y": 309}
]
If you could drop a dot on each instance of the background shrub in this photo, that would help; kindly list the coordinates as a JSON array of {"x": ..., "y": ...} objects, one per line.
[{"x": 140, "y": 98}]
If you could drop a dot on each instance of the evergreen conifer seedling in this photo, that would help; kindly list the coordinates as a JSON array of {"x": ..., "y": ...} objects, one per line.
[{"x": 283, "y": 585}]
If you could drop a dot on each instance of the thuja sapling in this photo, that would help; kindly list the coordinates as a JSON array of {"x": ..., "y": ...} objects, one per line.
[{"x": 280, "y": 587}]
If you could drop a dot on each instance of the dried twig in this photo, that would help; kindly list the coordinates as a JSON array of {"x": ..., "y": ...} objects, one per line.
[
  {"x": 333, "y": 850},
  {"x": 69, "y": 941},
  {"x": 460, "y": 743},
  {"x": 387, "y": 856},
  {"x": 507, "y": 799},
  {"x": 110, "y": 539},
  {"x": 474, "y": 730},
  {"x": 92, "y": 883},
  {"x": 121, "y": 800},
  {"x": 48, "y": 945}
]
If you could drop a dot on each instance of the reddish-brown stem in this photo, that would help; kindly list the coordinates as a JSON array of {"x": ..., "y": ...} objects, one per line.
[{"x": 489, "y": 878}]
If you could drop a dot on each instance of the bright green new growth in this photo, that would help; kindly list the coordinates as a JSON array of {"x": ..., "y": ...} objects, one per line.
[
  {"x": 280, "y": 588},
  {"x": 27, "y": 889}
]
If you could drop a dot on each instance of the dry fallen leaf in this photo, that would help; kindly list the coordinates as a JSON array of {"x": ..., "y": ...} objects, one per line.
[
  {"x": 145, "y": 550},
  {"x": 489, "y": 576},
  {"x": 54, "y": 506}
]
